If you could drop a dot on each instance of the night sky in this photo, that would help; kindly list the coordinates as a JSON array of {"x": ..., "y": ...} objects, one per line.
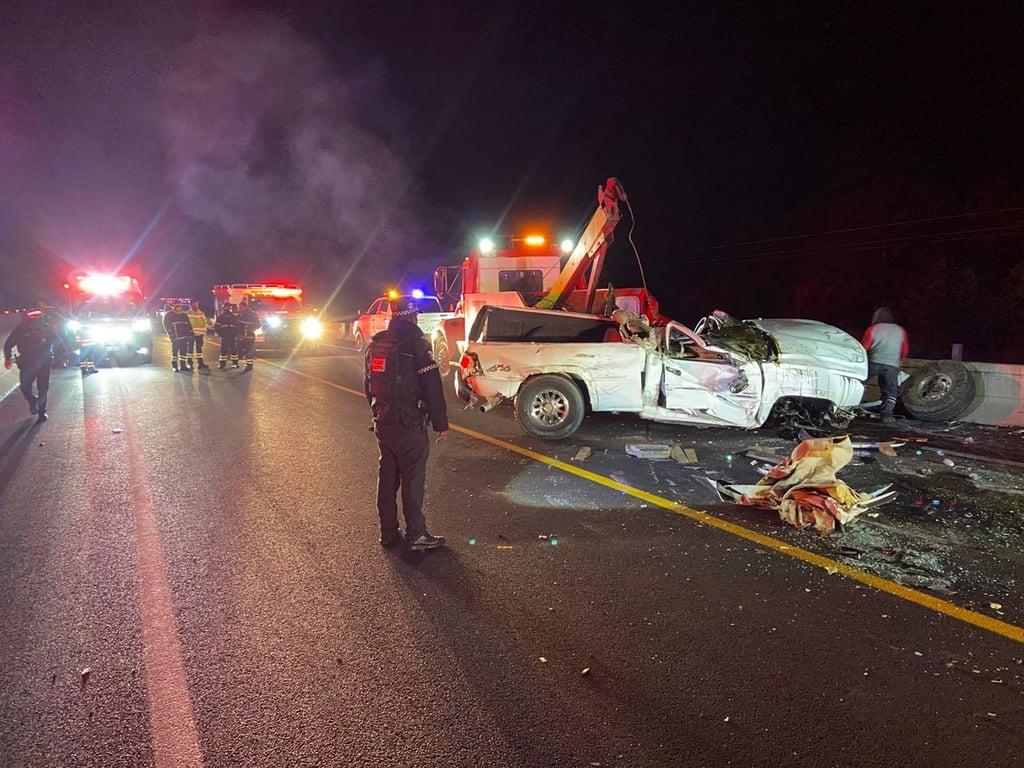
[{"x": 809, "y": 159}]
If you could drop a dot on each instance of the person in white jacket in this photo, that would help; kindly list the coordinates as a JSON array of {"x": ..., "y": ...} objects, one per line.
[{"x": 887, "y": 345}]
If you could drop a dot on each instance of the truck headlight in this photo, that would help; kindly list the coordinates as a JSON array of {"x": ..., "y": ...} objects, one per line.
[
  {"x": 274, "y": 322},
  {"x": 74, "y": 326},
  {"x": 312, "y": 328},
  {"x": 141, "y": 326}
]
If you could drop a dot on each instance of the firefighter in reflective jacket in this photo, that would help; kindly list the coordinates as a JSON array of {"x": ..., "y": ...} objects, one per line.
[
  {"x": 179, "y": 329},
  {"x": 404, "y": 389},
  {"x": 248, "y": 323},
  {"x": 226, "y": 326}
]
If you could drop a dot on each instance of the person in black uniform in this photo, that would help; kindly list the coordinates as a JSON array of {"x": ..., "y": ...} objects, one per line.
[
  {"x": 404, "y": 389},
  {"x": 248, "y": 323},
  {"x": 179, "y": 328},
  {"x": 226, "y": 327},
  {"x": 35, "y": 340}
]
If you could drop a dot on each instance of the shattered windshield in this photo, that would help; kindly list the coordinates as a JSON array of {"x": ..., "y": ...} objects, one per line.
[{"x": 742, "y": 336}]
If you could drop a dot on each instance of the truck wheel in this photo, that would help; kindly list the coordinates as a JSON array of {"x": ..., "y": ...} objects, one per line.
[
  {"x": 939, "y": 391},
  {"x": 360, "y": 342},
  {"x": 549, "y": 407},
  {"x": 442, "y": 356}
]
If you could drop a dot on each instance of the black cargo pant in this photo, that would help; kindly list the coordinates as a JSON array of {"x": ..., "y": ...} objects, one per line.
[
  {"x": 247, "y": 349},
  {"x": 228, "y": 347},
  {"x": 40, "y": 375},
  {"x": 179, "y": 353},
  {"x": 403, "y": 464},
  {"x": 888, "y": 383}
]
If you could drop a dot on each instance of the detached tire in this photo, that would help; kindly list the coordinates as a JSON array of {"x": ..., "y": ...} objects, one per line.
[
  {"x": 939, "y": 391},
  {"x": 550, "y": 407}
]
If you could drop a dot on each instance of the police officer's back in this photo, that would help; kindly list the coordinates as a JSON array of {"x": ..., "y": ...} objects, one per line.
[{"x": 405, "y": 392}]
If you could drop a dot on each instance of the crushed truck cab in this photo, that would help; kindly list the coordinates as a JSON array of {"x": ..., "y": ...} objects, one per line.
[{"x": 557, "y": 366}]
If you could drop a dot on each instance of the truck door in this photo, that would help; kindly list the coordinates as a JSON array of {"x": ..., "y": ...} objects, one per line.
[
  {"x": 379, "y": 320},
  {"x": 697, "y": 379}
]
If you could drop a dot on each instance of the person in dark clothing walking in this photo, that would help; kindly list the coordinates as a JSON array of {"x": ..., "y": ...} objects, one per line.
[
  {"x": 886, "y": 344},
  {"x": 35, "y": 341},
  {"x": 404, "y": 389},
  {"x": 248, "y": 323},
  {"x": 226, "y": 327},
  {"x": 179, "y": 328}
]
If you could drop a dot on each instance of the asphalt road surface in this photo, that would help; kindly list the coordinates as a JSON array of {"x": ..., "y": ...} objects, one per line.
[{"x": 191, "y": 577}]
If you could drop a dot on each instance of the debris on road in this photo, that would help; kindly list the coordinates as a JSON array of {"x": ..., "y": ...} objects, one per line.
[
  {"x": 887, "y": 447},
  {"x": 805, "y": 490},
  {"x": 648, "y": 450},
  {"x": 683, "y": 455},
  {"x": 582, "y": 454}
]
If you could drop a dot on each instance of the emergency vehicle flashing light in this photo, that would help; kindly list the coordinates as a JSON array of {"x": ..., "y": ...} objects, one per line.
[
  {"x": 104, "y": 285},
  {"x": 487, "y": 246},
  {"x": 417, "y": 293},
  {"x": 392, "y": 293}
]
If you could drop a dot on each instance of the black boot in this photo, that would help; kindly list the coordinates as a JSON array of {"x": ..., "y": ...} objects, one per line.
[{"x": 222, "y": 365}]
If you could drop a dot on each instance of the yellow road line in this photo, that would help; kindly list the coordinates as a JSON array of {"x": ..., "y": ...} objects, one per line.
[{"x": 1005, "y": 629}]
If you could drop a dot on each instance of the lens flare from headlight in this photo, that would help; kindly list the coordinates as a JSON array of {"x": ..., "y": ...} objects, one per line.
[
  {"x": 74, "y": 325},
  {"x": 312, "y": 328},
  {"x": 141, "y": 326},
  {"x": 274, "y": 322},
  {"x": 110, "y": 334}
]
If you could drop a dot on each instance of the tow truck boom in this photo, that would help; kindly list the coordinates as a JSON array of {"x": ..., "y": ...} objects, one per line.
[{"x": 590, "y": 251}]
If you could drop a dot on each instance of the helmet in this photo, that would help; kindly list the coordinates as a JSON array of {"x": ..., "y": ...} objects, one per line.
[
  {"x": 404, "y": 307},
  {"x": 175, "y": 305},
  {"x": 33, "y": 314}
]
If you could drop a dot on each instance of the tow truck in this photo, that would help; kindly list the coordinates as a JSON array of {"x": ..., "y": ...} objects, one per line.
[
  {"x": 279, "y": 306},
  {"x": 533, "y": 271},
  {"x": 555, "y": 366},
  {"x": 107, "y": 311}
]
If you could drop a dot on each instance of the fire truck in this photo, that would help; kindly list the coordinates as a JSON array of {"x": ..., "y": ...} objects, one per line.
[
  {"x": 108, "y": 312},
  {"x": 279, "y": 306},
  {"x": 531, "y": 271}
]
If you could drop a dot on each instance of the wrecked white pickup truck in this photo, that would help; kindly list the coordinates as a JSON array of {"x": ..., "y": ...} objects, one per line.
[{"x": 556, "y": 366}]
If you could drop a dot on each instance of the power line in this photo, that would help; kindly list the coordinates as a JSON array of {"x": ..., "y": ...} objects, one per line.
[
  {"x": 848, "y": 230},
  {"x": 864, "y": 245}
]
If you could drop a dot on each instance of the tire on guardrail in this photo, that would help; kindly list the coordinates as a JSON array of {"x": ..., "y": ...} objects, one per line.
[{"x": 938, "y": 391}]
